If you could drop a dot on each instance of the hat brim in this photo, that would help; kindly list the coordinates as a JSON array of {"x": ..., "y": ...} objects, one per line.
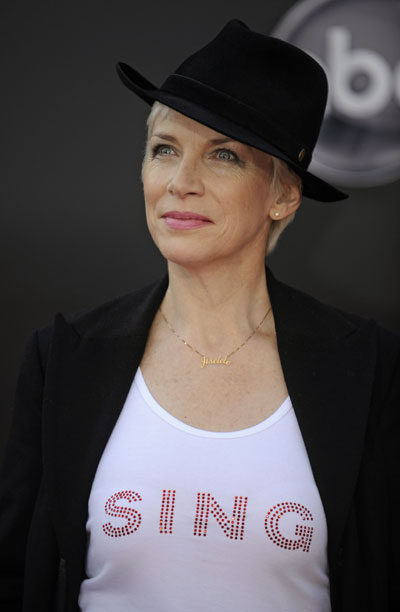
[{"x": 313, "y": 187}]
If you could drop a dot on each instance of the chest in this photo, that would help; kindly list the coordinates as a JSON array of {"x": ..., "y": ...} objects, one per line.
[
  {"x": 183, "y": 505},
  {"x": 217, "y": 397}
]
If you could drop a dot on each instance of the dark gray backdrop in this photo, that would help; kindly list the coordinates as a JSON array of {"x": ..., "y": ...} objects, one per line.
[{"x": 72, "y": 223}]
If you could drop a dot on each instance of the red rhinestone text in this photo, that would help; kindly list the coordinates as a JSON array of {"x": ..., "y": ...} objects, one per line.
[
  {"x": 233, "y": 527},
  {"x": 167, "y": 511},
  {"x": 304, "y": 532},
  {"x": 131, "y": 515}
]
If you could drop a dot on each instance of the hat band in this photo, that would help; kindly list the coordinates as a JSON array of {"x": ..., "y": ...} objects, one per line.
[{"x": 248, "y": 117}]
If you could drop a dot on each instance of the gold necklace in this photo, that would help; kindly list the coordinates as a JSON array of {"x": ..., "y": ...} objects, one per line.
[{"x": 205, "y": 361}]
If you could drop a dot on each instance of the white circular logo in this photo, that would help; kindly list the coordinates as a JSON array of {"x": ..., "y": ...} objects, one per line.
[{"x": 357, "y": 42}]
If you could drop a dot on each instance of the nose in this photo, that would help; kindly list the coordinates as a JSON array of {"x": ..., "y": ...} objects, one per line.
[{"x": 186, "y": 179}]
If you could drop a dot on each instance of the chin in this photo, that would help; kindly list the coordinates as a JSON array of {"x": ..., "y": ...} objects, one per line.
[
  {"x": 186, "y": 259},
  {"x": 187, "y": 253}
]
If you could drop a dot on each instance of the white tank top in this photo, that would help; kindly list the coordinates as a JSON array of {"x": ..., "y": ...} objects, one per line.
[{"x": 182, "y": 519}]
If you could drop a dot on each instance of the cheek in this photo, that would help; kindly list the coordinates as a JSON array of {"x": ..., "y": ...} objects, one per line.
[
  {"x": 153, "y": 187},
  {"x": 244, "y": 201},
  {"x": 260, "y": 198}
]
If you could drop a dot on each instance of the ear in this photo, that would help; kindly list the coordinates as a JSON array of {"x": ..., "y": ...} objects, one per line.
[{"x": 287, "y": 202}]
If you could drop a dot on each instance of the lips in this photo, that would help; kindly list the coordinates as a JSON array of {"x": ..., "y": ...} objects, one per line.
[
  {"x": 178, "y": 220},
  {"x": 176, "y": 214}
]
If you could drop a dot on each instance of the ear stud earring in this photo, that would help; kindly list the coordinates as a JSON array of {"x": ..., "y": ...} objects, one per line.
[{"x": 276, "y": 213}]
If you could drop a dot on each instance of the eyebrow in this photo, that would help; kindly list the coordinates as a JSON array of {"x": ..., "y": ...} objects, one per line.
[{"x": 213, "y": 141}]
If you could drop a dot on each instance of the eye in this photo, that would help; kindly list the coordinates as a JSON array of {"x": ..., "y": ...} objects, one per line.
[
  {"x": 227, "y": 155},
  {"x": 162, "y": 150}
]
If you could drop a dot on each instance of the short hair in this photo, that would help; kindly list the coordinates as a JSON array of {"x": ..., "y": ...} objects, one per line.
[{"x": 281, "y": 177}]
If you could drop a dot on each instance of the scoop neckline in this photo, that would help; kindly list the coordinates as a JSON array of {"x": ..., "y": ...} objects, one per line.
[{"x": 161, "y": 412}]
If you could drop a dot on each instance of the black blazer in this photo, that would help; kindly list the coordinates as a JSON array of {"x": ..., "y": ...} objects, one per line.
[{"x": 342, "y": 373}]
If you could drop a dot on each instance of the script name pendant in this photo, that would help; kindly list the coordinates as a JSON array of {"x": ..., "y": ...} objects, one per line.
[{"x": 218, "y": 361}]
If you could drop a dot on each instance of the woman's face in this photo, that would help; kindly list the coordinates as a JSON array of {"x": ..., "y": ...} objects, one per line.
[{"x": 207, "y": 196}]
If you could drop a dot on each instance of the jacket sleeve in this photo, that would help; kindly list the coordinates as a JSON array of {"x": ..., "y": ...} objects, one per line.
[
  {"x": 20, "y": 476},
  {"x": 391, "y": 451}
]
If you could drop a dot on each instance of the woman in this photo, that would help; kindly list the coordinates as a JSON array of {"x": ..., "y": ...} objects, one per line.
[{"x": 217, "y": 440}]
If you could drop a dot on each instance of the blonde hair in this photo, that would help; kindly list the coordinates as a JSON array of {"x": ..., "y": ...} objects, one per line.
[{"x": 282, "y": 178}]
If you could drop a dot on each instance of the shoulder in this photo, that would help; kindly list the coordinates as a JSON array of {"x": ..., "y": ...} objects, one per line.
[
  {"x": 299, "y": 305},
  {"x": 302, "y": 315},
  {"x": 123, "y": 316},
  {"x": 343, "y": 348},
  {"x": 120, "y": 316},
  {"x": 326, "y": 314}
]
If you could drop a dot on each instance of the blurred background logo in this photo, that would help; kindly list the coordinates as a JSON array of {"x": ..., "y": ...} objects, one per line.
[{"x": 358, "y": 44}]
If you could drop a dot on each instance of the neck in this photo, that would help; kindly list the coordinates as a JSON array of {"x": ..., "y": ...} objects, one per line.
[{"x": 216, "y": 306}]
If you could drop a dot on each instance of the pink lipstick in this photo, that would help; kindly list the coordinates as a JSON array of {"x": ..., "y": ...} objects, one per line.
[{"x": 185, "y": 220}]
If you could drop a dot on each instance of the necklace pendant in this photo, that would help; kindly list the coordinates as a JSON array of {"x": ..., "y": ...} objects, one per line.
[{"x": 218, "y": 361}]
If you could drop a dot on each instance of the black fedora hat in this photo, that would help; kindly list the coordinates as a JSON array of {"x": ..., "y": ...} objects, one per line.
[{"x": 254, "y": 88}]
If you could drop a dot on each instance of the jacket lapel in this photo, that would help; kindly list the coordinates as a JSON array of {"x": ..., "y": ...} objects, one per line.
[
  {"x": 327, "y": 361},
  {"x": 91, "y": 366}
]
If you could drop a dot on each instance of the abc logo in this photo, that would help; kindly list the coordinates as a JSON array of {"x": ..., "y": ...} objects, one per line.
[
  {"x": 362, "y": 83},
  {"x": 358, "y": 44}
]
